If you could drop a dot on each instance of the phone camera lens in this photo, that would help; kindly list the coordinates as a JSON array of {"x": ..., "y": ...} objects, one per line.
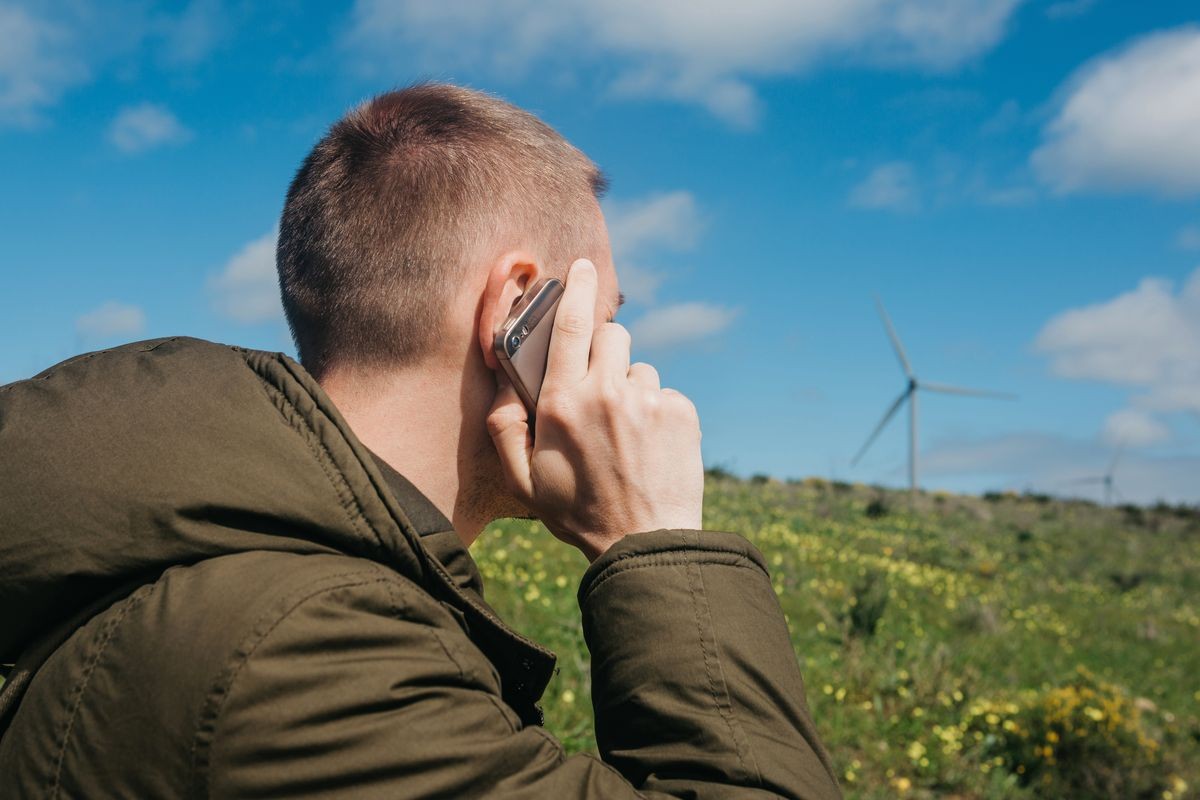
[{"x": 515, "y": 342}]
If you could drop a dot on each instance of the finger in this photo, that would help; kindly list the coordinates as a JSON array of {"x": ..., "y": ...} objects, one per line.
[
  {"x": 610, "y": 352},
  {"x": 683, "y": 400},
  {"x": 644, "y": 375},
  {"x": 571, "y": 340},
  {"x": 508, "y": 424}
]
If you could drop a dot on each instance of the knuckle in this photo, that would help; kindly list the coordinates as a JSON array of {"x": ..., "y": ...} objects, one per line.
[
  {"x": 617, "y": 331},
  {"x": 553, "y": 407},
  {"x": 681, "y": 404},
  {"x": 647, "y": 369},
  {"x": 571, "y": 323},
  {"x": 608, "y": 388},
  {"x": 498, "y": 423}
]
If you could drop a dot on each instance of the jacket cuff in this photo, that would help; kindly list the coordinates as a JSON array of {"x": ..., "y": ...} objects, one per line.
[{"x": 668, "y": 546}]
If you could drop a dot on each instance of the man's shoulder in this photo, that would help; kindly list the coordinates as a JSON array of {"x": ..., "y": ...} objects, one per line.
[{"x": 139, "y": 682}]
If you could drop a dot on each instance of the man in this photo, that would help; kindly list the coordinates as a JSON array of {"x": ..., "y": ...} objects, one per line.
[{"x": 225, "y": 574}]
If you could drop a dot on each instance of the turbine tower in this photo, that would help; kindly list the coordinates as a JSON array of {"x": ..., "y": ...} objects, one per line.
[
  {"x": 1106, "y": 479},
  {"x": 910, "y": 394}
]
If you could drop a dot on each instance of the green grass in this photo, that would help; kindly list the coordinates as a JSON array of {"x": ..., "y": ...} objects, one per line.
[{"x": 952, "y": 646}]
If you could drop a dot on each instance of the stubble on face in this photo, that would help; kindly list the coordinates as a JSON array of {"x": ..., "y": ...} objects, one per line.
[{"x": 487, "y": 493}]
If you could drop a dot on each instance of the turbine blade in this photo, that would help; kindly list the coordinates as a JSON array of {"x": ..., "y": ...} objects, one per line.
[
  {"x": 891, "y": 412},
  {"x": 947, "y": 389},
  {"x": 891, "y": 332},
  {"x": 1116, "y": 457}
]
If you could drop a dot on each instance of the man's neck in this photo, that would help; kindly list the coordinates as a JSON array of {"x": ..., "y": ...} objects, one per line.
[{"x": 413, "y": 421}]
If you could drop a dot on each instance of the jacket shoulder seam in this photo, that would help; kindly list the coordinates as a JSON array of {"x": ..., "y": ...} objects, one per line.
[
  {"x": 346, "y": 497},
  {"x": 106, "y": 635},
  {"x": 222, "y": 686}
]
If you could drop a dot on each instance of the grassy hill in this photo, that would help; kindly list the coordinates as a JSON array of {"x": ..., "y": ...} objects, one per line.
[{"x": 1004, "y": 646}]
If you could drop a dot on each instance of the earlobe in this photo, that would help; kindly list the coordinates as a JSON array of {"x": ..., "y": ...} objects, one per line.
[{"x": 508, "y": 278}]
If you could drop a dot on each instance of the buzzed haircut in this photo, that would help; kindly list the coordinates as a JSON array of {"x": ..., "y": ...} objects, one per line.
[{"x": 401, "y": 198}]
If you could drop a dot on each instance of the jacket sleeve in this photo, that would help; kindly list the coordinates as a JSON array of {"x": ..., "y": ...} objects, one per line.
[
  {"x": 696, "y": 688},
  {"x": 367, "y": 688}
]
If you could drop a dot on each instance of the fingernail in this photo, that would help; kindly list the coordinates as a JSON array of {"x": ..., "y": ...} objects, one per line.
[{"x": 582, "y": 264}]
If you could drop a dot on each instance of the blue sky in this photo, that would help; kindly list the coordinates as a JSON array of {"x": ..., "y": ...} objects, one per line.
[{"x": 1018, "y": 181}]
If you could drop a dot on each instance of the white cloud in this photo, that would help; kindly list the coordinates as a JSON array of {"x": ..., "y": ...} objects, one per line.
[
  {"x": 48, "y": 48},
  {"x": 1134, "y": 428},
  {"x": 1055, "y": 465},
  {"x": 704, "y": 51},
  {"x": 1188, "y": 238},
  {"x": 1147, "y": 339},
  {"x": 111, "y": 320},
  {"x": 1069, "y": 9},
  {"x": 247, "y": 287},
  {"x": 189, "y": 37},
  {"x": 667, "y": 220},
  {"x": 37, "y": 64},
  {"x": 639, "y": 228},
  {"x": 889, "y": 186},
  {"x": 1129, "y": 120},
  {"x": 146, "y": 126},
  {"x": 673, "y": 325}
]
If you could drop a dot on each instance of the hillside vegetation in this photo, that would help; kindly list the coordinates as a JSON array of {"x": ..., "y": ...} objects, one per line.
[{"x": 1004, "y": 646}]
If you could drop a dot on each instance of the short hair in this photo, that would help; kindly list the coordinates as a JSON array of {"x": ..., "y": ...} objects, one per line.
[{"x": 400, "y": 198}]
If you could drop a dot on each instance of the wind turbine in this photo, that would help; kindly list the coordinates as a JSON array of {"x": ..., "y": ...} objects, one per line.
[
  {"x": 910, "y": 394},
  {"x": 1106, "y": 479}
]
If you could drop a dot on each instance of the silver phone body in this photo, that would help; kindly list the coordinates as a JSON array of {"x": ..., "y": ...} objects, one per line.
[{"x": 523, "y": 344}]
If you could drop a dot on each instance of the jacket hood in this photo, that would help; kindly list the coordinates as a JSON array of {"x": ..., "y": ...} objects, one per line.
[{"x": 119, "y": 464}]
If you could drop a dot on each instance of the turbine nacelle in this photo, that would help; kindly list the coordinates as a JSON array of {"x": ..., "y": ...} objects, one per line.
[{"x": 909, "y": 395}]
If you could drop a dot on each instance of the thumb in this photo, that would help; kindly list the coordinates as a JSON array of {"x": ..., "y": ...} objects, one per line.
[{"x": 508, "y": 424}]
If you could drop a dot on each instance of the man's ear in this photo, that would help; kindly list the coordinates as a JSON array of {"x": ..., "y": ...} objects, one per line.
[{"x": 508, "y": 278}]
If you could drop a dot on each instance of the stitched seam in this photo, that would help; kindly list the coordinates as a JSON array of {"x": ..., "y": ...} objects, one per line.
[
  {"x": 391, "y": 588},
  {"x": 735, "y": 725},
  {"x": 345, "y": 495},
  {"x": 606, "y": 575},
  {"x": 562, "y": 754},
  {"x": 243, "y": 658},
  {"x": 46, "y": 375},
  {"x": 668, "y": 556},
  {"x": 712, "y": 688},
  {"x": 226, "y": 679},
  {"x": 106, "y": 635},
  {"x": 614, "y": 771},
  {"x": 682, "y": 544},
  {"x": 462, "y": 675},
  {"x": 504, "y": 712},
  {"x": 430, "y": 562}
]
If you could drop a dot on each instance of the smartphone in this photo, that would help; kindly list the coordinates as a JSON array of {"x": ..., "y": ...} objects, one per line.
[{"x": 523, "y": 343}]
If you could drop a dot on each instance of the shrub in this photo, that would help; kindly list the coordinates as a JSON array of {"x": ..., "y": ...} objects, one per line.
[
  {"x": 1084, "y": 739},
  {"x": 759, "y": 478},
  {"x": 719, "y": 472},
  {"x": 867, "y": 604},
  {"x": 1133, "y": 514},
  {"x": 1126, "y": 581},
  {"x": 876, "y": 508}
]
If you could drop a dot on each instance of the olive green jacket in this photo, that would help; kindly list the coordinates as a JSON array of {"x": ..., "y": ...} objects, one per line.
[{"x": 211, "y": 588}]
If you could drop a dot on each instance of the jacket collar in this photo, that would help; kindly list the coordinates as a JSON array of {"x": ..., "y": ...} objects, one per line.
[
  {"x": 435, "y": 530},
  {"x": 525, "y": 667}
]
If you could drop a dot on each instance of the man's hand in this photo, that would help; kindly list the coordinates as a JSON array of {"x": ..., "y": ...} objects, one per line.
[{"x": 614, "y": 453}]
